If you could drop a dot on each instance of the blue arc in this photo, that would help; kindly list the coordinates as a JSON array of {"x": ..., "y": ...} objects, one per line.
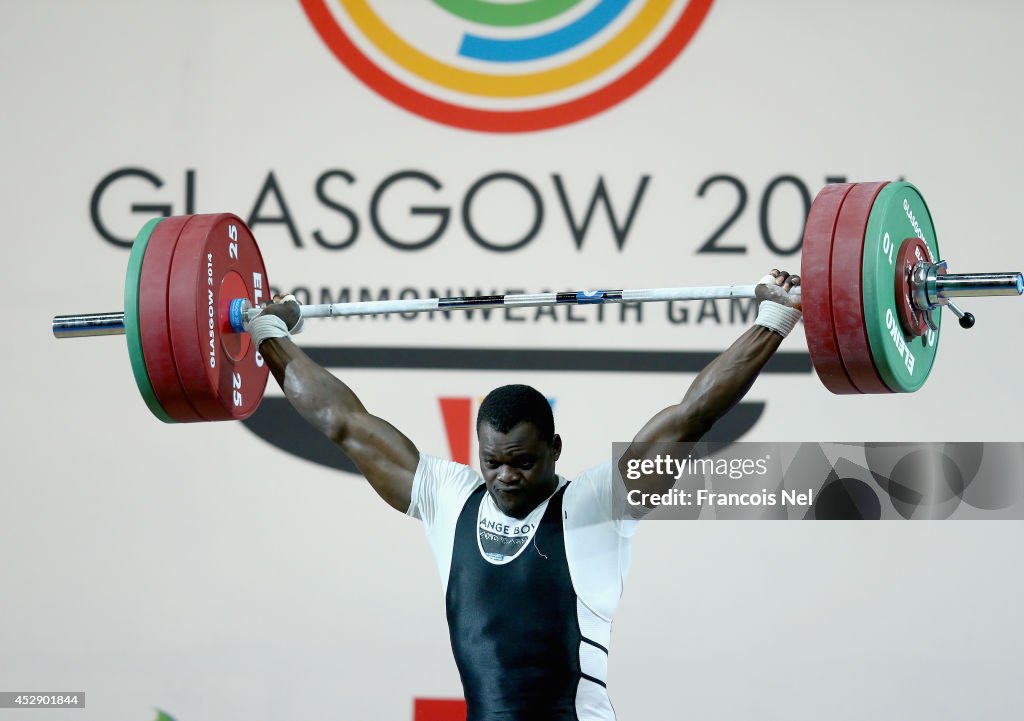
[{"x": 542, "y": 46}]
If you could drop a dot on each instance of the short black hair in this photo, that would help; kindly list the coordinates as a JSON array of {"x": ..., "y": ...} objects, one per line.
[{"x": 506, "y": 407}]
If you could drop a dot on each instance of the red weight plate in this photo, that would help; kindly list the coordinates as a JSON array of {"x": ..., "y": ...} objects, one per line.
[
  {"x": 912, "y": 251},
  {"x": 815, "y": 270},
  {"x": 154, "y": 327},
  {"x": 847, "y": 289},
  {"x": 215, "y": 261}
]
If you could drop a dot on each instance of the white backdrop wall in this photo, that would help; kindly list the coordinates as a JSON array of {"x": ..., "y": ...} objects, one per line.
[{"x": 203, "y": 571}]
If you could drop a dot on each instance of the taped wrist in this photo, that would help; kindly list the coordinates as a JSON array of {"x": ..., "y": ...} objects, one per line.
[
  {"x": 777, "y": 317},
  {"x": 269, "y": 326}
]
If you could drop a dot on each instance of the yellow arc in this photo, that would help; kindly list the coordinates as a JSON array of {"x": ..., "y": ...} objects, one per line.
[{"x": 505, "y": 86}]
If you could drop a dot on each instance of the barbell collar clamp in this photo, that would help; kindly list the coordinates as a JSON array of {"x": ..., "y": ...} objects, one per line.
[{"x": 965, "y": 319}]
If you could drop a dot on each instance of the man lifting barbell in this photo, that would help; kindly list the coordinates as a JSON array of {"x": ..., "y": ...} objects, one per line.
[
  {"x": 874, "y": 288},
  {"x": 532, "y": 564}
]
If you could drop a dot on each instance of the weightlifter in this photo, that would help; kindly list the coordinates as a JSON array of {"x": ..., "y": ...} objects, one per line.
[{"x": 532, "y": 564}]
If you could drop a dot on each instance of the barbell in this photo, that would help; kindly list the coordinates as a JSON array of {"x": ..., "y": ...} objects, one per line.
[{"x": 873, "y": 290}]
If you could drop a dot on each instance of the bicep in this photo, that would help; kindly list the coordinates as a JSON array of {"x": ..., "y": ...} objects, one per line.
[
  {"x": 384, "y": 455},
  {"x": 715, "y": 390},
  {"x": 679, "y": 423}
]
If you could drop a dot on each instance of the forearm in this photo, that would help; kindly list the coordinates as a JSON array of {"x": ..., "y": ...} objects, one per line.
[
  {"x": 319, "y": 397},
  {"x": 725, "y": 380}
]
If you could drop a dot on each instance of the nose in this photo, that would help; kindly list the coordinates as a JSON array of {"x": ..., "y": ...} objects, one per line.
[{"x": 508, "y": 476}]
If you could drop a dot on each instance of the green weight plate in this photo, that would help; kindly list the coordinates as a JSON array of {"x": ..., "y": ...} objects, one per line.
[
  {"x": 903, "y": 361},
  {"x": 132, "y": 333}
]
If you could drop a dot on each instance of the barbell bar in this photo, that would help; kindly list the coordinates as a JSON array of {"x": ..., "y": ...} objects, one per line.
[
  {"x": 74, "y": 326},
  {"x": 873, "y": 288},
  {"x": 971, "y": 285}
]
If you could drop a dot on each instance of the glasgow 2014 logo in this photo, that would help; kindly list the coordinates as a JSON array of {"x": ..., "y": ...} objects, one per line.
[{"x": 506, "y": 67}]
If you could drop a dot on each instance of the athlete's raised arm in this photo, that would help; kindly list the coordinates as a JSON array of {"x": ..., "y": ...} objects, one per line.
[
  {"x": 724, "y": 381},
  {"x": 383, "y": 454}
]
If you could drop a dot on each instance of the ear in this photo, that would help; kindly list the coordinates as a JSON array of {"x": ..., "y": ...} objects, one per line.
[{"x": 556, "y": 447}]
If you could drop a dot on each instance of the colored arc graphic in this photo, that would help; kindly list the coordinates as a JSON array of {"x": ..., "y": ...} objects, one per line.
[
  {"x": 504, "y": 86},
  {"x": 499, "y": 121},
  {"x": 506, "y": 15},
  {"x": 543, "y": 46}
]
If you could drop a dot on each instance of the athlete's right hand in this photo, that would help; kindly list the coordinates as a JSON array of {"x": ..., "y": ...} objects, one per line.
[
  {"x": 287, "y": 308},
  {"x": 780, "y": 287}
]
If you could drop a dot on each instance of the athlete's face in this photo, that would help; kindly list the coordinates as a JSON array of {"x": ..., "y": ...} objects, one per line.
[{"x": 518, "y": 467}]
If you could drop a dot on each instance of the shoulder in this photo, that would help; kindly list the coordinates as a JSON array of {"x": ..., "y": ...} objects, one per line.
[
  {"x": 594, "y": 479},
  {"x": 440, "y": 482},
  {"x": 441, "y": 473},
  {"x": 444, "y": 468},
  {"x": 591, "y": 488},
  {"x": 596, "y": 497}
]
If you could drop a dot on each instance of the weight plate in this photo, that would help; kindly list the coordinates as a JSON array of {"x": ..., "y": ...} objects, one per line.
[
  {"x": 903, "y": 361},
  {"x": 216, "y": 259},
  {"x": 132, "y": 282},
  {"x": 815, "y": 266},
  {"x": 848, "y": 251},
  {"x": 154, "y": 325}
]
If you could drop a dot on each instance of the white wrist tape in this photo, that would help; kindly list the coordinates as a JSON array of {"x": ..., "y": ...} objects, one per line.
[
  {"x": 270, "y": 326},
  {"x": 777, "y": 317}
]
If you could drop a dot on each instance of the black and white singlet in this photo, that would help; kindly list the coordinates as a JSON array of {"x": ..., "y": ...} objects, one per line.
[{"x": 529, "y": 601}]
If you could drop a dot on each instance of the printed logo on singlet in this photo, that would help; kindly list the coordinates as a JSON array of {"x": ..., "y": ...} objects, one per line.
[
  {"x": 502, "y": 538},
  {"x": 501, "y": 542}
]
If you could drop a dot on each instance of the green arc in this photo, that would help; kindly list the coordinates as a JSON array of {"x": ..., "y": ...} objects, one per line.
[{"x": 506, "y": 14}]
